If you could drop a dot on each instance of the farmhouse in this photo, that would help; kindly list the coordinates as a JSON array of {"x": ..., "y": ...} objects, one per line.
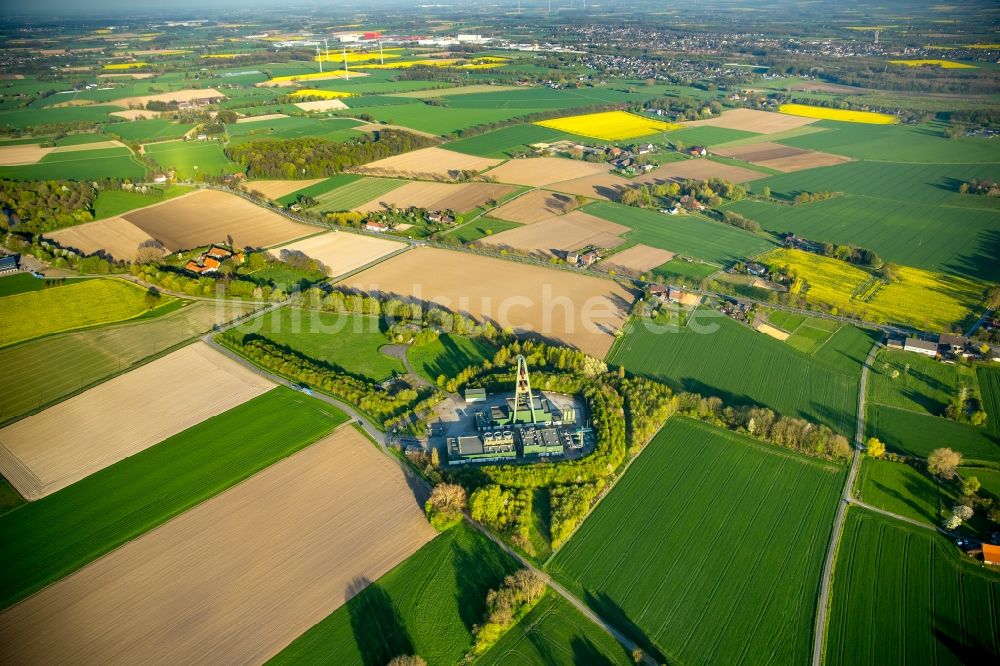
[
  {"x": 9, "y": 263},
  {"x": 955, "y": 344},
  {"x": 925, "y": 347},
  {"x": 211, "y": 260},
  {"x": 375, "y": 225}
]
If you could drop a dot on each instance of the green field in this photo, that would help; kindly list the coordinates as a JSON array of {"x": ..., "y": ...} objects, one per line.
[
  {"x": 905, "y": 232},
  {"x": 684, "y": 234},
  {"x": 484, "y": 226},
  {"x": 449, "y": 355},
  {"x": 708, "y": 136},
  {"x": 989, "y": 388},
  {"x": 19, "y": 283},
  {"x": 917, "y": 434},
  {"x": 902, "y": 594},
  {"x": 21, "y": 118},
  {"x": 79, "y": 165},
  {"x": 436, "y": 119},
  {"x": 923, "y": 384},
  {"x": 56, "y": 535},
  {"x": 189, "y": 158},
  {"x": 811, "y": 334},
  {"x": 115, "y": 202},
  {"x": 75, "y": 305},
  {"x": 316, "y": 190},
  {"x": 894, "y": 143},
  {"x": 334, "y": 129},
  {"x": 355, "y": 193},
  {"x": 507, "y": 140},
  {"x": 350, "y": 342},
  {"x": 686, "y": 272},
  {"x": 902, "y": 489},
  {"x": 714, "y": 355},
  {"x": 710, "y": 548},
  {"x": 425, "y": 606},
  {"x": 148, "y": 130},
  {"x": 57, "y": 366},
  {"x": 556, "y": 634}
]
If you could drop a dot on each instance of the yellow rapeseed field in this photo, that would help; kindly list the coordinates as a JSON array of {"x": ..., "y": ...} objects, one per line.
[
  {"x": 126, "y": 65},
  {"x": 306, "y": 77},
  {"x": 359, "y": 56},
  {"x": 844, "y": 115},
  {"x": 486, "y": 62},
  {"x": 325, "y": 94},
  {"x": 944, "y": 64},
  {"x": 923, "y": 299},
  {"x": 609, "y": 125},
  {"x": 226, "y": 55}
]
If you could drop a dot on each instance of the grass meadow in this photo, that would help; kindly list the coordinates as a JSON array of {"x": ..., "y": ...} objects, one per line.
[
  {"x": 689, "y": 235},
  {"x": 693, "y": 554},
  {"x": 189, "y": 158},
  {"x": 148, "y": 130},
  {"x": 427, "y": 605},
  {"x": 556, "y": 634},
  {"x": 322, "y": 187},
  {"x": 484, "y": 226},
  {"x": 56, "y": 535},
  {"x": 350, "y": 342},
  {"x": 72, "y": 306},
  {"x": 57, "y": 366},
  {"x": 449, "y": 355},
  {"x": 902, "y": 594},
  {"x": 115, "y": 202},
  {"x": 916, "y": 434},
  {"x": 989, "y": 389},
  {"x": 19, "y": 283},
  {"x": 923, "y": 384},
  {"x": 745, "y": 367}
]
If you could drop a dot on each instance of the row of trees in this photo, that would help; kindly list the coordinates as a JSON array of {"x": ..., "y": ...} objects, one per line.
[
  {"x": 312, "y": 157},
  {"x": 711, "y": 192},
  {"x": 985, "y": 187},
  {"x": 520, "y": 592}
]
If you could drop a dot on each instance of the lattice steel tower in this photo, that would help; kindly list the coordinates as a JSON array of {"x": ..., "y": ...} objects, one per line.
[{"x": 523, "y": 400}]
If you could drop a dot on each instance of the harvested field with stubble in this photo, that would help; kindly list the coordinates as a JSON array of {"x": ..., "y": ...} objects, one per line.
[
  {"x": 208, "y": 216},
  {"x": 114, "y": 236},
  {"x": 65, "y": 443},
  {"x": 567, "y": 308},
  {"x": 322, "y": 105},
  {"x": 275, "y": 189},
  {"x": 541, "y": 171},
  {"x": 266, "y": 116},
  {"x": 751, "y": 120},
  {"x": 25, "y": 153},
  {"x": 607, "y": 186},
  {"x": 780, "y": 157},
  {"x": 638, "y": 258},
  {"x": 430, "y": 162},
  {"x": 140, "y": 101},
  {"x": 342, "y": 252},
  {"x": 573, "y": 231},
  {"x": 241, "y": 575},
  {"x": 459, "y": 197},
  {"x": 535, "y": 206}
]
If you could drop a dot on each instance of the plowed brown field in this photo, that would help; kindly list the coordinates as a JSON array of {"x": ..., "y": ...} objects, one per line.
[
  {"x": 342, "y": 252},
  {"x": 459, "y": 197},
  {"x": 535, "y": 206},
  {"x": 577, "y": 310},
  {"x": 751, "y": 120},
  {"x": 638, "y": 258},
  {"x": 430, "y": 162},
  {"x": 558, "y": 235},
  {"x": 237, "y": 578},
  {"x": 114, "y": 236},
  {"x": 540, "y": 171}
]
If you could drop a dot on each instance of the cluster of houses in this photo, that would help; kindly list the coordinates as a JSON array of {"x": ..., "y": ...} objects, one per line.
[
  {"x": 946, "y": 346},
  {"x": 431, "y": 216},
  {"x": 668, "y": 294},
  {"x": 211, "y": 260},
  {"x": 583, "y": 259}
]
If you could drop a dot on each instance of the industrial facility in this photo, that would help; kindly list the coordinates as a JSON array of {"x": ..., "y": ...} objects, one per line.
[{"x": 524, "y": 425}]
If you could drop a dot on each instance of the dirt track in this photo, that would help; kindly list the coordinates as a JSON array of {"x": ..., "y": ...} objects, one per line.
[
  {"x": 576, "y": 310},
  {"x": 121, "y": 417},
  {"x": 237, "y": 578}
]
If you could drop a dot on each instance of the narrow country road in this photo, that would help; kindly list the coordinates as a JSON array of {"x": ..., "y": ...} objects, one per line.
[
  {"x": 822, "y": 603},
  {"x": 890, "y": 514}
]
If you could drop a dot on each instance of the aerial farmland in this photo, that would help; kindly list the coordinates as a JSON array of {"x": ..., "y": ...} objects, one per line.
[{"x": 537, "y": 333}]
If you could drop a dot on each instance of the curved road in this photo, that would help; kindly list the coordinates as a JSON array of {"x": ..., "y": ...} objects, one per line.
[{"x": 823, "y": 601}]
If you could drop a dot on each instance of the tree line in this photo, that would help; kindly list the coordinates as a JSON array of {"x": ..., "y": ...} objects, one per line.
[{"x": 311, "y": 157}]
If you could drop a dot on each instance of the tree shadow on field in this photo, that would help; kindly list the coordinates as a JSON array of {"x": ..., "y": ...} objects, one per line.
[
  {"x": 585, "y": 652},
  {"x": 611, "y": 612},
  {"x": 478, "y": 567},
  {"x": 966, "y": 649},
  {"x": 378, "y": 627}
]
